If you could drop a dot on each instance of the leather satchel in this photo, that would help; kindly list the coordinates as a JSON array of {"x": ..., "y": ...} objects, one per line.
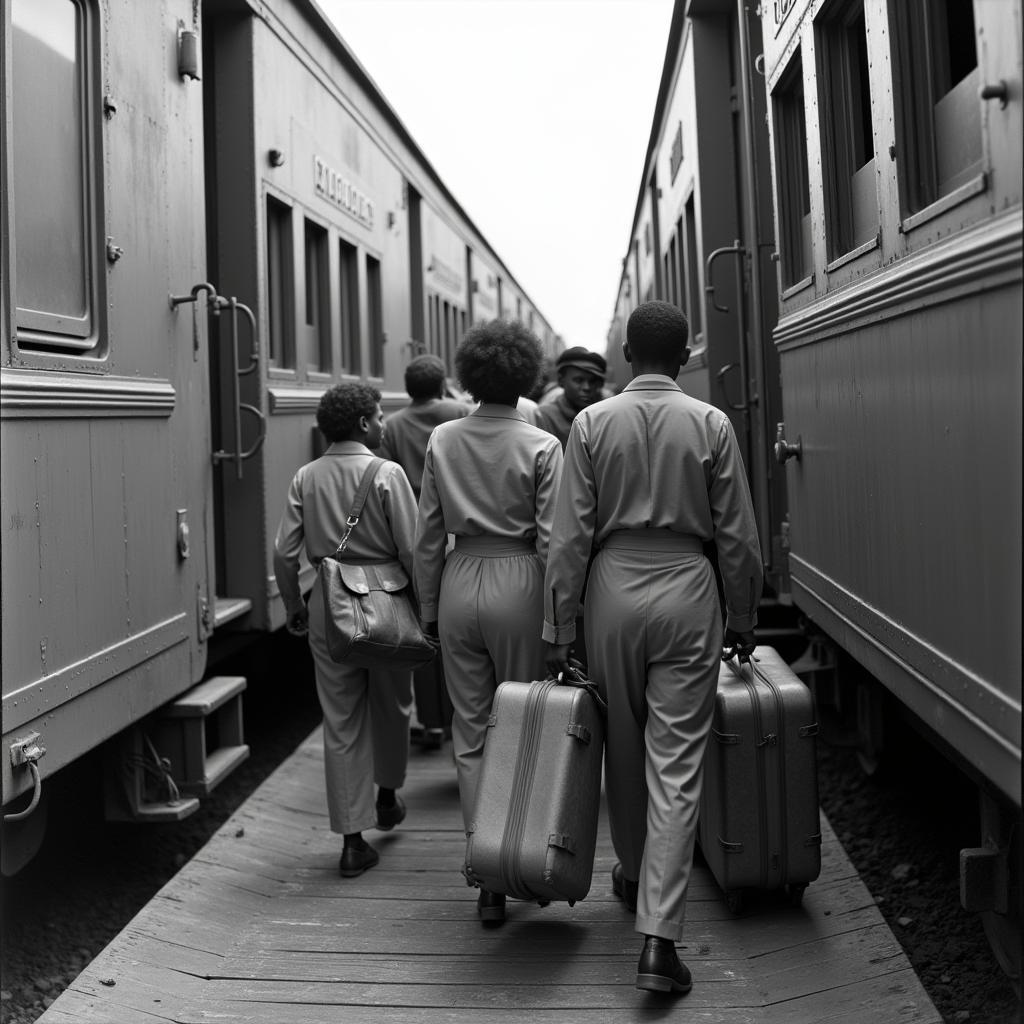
[{"x": 370, "y": 617}]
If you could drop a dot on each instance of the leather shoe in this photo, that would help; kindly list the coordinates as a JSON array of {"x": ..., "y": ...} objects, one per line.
[
  {"x": 659, "y": 969},
  {"x": 389, "y": 817},
  {"x": 491, "y": 907},
  {"x": 624, "y": 888},
  {"x": 357, "y": 859}
]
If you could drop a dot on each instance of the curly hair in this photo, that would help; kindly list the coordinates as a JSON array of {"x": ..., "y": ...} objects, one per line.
[
  {"x": 499, "y": 361},
  {"x": 657, "y": 331},
  {"x": 424, "y": 377},
  {"x": 341, "y": 406}
]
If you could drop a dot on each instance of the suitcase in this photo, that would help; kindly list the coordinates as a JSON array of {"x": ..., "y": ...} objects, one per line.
[
  {"x": 534, "y": 828},
  {"x": 759, "y": 826}
]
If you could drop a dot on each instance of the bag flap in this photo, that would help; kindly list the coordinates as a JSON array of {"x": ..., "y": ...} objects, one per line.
[{"x": 361, "y": 579}]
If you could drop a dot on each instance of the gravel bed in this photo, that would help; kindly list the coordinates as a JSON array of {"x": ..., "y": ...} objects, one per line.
[{"x": 903, "y": 832}]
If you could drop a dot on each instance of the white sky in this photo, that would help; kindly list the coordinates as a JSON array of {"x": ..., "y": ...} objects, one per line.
[{"x": 536, "y": 114}]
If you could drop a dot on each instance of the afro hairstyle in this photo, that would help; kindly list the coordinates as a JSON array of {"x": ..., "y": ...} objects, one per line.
[
  {"x": 498, "y": 361},
  {"x": 339, "y": 410}
]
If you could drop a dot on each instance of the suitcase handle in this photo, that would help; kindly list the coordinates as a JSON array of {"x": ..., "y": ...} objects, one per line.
[{"x": 583, "y": 683}]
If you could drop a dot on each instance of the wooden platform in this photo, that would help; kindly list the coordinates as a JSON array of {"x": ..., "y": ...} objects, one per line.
[{"x": 260, "y": 928}]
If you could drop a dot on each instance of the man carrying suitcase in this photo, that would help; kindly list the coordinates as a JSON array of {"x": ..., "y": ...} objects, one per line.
[{"x": 650, "y": 476}]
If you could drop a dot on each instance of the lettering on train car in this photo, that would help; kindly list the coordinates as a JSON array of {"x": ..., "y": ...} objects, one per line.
[
  {"x": 782, "y": 9},
  {"x": 444, "y": 274},
  {"x": 337, "y": 189},
  {"x": 675, "y": 160}
]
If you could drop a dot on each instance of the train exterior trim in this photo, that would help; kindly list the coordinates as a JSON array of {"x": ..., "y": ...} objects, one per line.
[{"x": 230, "y": 219}]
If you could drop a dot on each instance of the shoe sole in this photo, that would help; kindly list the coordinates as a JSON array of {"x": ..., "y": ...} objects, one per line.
[
  {"x": 356, "y": 872},
  {"x": 659, "y": 983}
]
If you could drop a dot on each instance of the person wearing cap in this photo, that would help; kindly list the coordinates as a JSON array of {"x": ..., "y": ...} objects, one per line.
[
  {"x": 650, "y": 476},
  {"x": 581, "y": 375}
]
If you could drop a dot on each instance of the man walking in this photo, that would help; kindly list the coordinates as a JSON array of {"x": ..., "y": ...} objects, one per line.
[
  {"x": 581, "y": 375},
  {"x": 651, "y": 475}
]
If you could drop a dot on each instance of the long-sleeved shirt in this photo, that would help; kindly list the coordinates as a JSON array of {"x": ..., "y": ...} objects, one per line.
[
  {"x": 319, "y": 500},
  {"x": 407, "y": 431},
  {"x": 652, "y": 457},
  {"x": 491, "y": 473}
]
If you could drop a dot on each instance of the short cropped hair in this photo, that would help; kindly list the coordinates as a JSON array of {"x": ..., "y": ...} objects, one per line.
[
  {"x": 424, "y": 377},
  {"x": 657, "y": 331},
  {"x": 341, "y": 406},
  {"x": 498, "y": 360}
]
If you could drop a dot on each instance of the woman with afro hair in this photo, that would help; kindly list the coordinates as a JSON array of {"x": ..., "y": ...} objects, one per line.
[
  {"x": 366, "y": 711},
  {"x": 491, "y": 480}
]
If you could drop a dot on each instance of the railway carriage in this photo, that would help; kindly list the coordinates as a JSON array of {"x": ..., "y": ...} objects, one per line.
[
  {"x": 209, "y": 215},
  {"x": 858, "y": 163}
]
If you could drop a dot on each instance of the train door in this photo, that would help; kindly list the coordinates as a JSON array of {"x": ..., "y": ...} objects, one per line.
[{"x": 106, "y": 459}]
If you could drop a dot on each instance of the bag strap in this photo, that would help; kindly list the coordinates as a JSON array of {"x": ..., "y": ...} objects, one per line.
[
  {"x": 357, "y": 504},
  {"x": 583, "y": 683}
]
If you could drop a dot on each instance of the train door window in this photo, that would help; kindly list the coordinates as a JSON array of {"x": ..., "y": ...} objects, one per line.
[
  {"x": 280, "y": 284},
  {"x": 318, "y": 306},
  {"x": 55, "y": 187},
  {"x": 348, "y": 270},
  {"x": 794, "y": 197},
  {"x": 691, "y": 255},
  {"x": 938, "y": 109},
  {"x": 851, "y": 192},
  {"x": 375, "y": 316}
]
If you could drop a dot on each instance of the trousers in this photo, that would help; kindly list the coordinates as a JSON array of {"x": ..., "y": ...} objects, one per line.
[
  {"x": 366, "y": 729},
  {"x": 490, "y": 614},
  {"x": 654, "y": 641}
]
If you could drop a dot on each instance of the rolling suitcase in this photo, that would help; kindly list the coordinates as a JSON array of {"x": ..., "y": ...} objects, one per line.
[
  {"x": 534, "y": 828},
  {"x": 759, "y": 825}
]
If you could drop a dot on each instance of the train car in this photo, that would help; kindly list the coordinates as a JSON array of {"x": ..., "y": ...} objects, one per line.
[
  {"x": 858, "y": 163},
  {"x": 193, "y": 251}
]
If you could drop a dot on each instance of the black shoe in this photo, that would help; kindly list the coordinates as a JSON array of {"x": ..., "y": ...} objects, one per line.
[
  {"x": 491, "y": 907},
  {"x": 389, "y": 817},
  {"x": 659, "y": 969},
  {"x": 624, "y": 888},
  {"x": 357, "y": 859},
  {"x": 433, "y": 739}
]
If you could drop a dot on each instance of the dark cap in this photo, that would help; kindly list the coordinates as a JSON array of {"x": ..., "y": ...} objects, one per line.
[{"x": 582, "y": 359}]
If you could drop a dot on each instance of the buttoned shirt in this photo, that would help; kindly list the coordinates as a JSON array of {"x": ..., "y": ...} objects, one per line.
[
  {"x": 407, "y": 431},
  {"x": 490, "y": 474},
  {"x": 652, "y": 457},
  {"x": 319, "y": 500}
]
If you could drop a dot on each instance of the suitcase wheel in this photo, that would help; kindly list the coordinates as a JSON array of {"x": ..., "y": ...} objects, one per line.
[
  {"x": 795, "y": 894},
  {"x": 734, "y": 901},
  {"x": 543, "y": 903}
]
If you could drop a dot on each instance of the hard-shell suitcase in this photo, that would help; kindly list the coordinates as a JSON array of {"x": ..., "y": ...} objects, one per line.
[
  {"x": 759, "y": 826},
  {"x": 534, "y": 828}
]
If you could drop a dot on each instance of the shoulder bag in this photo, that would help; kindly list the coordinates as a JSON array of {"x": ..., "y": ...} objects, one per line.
[{"x": 370, "y": 618}]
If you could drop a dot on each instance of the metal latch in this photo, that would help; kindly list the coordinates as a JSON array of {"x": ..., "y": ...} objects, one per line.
[{"x": 26, "y": 751}]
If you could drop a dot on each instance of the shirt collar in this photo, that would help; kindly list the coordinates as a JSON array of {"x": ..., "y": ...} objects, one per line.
[
  {"x": 496, "y": 411},
  {"x": 348, "y": 448},
  {"x": 652, "y": 382}
]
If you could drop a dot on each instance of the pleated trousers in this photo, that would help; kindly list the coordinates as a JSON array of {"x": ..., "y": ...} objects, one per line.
[
  {"x": 366, "y": 729},
  {"x": 654, "y": 640},
  {"x": 490, "y": 614}
]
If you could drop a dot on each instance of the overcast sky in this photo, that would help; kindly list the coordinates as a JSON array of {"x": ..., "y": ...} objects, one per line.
[{"x": 536, "y": 114}]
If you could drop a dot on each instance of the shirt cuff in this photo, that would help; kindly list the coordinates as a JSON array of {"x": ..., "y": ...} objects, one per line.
[
  {"x": 558, "y": 634},
  {"x": 428, "y": 612},
  {"x": 740, "y": 623}
]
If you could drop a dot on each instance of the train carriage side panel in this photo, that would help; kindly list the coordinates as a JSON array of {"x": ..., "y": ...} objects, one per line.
[
  {"x": 445, "y": 285},
  {"x": 484, "y": 284},
  {"x": 903, "y": 385},
  {"x": 106, "y": 485}
]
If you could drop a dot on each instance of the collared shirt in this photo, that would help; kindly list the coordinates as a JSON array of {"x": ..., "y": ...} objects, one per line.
[
  {"x": 556, "y": 418},
  {"x": 491, "y": 473},
  {"x": 407, "y": 431},
  {"x": 319, "y": 500},
  {"x": 652, "y": 457}
]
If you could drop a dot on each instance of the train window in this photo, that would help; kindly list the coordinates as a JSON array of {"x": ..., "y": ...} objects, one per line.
[
  {"x": 280, "y": 284},
  {"x": 54, "y": 205},
  {"x": 694, "y": 309},
  {"x": 446, "y": 350},
  {"x": 792, "y": 179},
  {"x": 318, "y": 299},
  {"x": 938, "y": 109},
  {"x": 348, "y": 269},
  {"x": 848, "y": 144},
  {"x": 375, "y": 316}
]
